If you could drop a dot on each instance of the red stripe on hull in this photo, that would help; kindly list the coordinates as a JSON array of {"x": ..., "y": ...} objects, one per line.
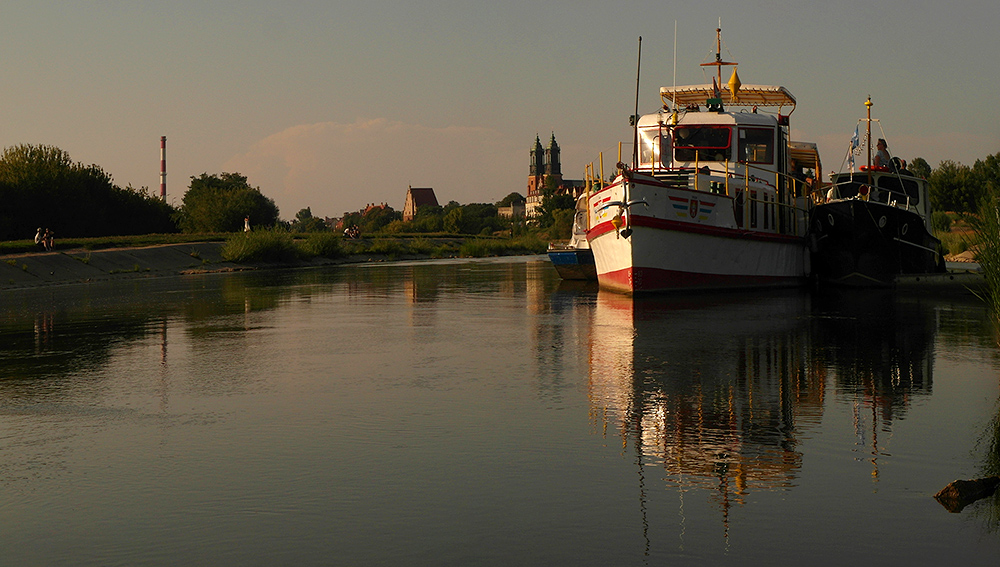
[
  {"x": 638, "y": 280},
  {"x": 680, "y": 226}
]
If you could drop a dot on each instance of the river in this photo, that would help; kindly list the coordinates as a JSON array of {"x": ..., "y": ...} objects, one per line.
[{"x": 482, "y": 412}]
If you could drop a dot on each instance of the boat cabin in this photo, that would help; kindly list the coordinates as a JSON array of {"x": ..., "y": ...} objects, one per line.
[
  {"x": 885, "y": 185},
  {"x": 707, "y": 139},
  {"x": 722, "y": 137}
]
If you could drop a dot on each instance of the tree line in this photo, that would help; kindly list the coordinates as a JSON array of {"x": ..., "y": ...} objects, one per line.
[
  {"x": 42, "y": 187},
  {"x": 959, "y": 188}
]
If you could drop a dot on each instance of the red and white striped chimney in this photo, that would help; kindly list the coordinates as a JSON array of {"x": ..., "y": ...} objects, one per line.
[{"x": 163, "y": 167}]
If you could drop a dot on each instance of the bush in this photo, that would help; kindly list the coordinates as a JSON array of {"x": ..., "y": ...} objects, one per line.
[
  {"x": 323, "y": 244},
  {"x": 953, "y": 243},
  {"x": 260, "y": 246},
  {"x": 481, "y": 247},
  {"x": 941, "y": 221},
  {"x": 386, "y": 246}
]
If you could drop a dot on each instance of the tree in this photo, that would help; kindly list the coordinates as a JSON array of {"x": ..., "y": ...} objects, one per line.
[
  {"x": 919, "y": 167},
  {"x": 306, "y": 222},
  {"x": 455, "y": 221},
  {"x": 41, "y": 186},
  {"x": 553, "y": 200},
  {"x": 514, "y": 197},
  {"x": 219, "y": 203},
  {"x": 953, "y": 188},
  {"x": 372, "y": 219},
  {"x": 986, "y": 175}
]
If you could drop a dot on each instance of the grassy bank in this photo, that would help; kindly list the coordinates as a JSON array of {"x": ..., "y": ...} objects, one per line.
[
  {"x": 277, "y": 246},
  {"x": 280, "y": 247},
  {"x": 105, "y": 242}
]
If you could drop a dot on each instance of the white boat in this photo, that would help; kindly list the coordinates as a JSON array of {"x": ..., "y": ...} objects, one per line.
[{"x": 711, "y": 199}]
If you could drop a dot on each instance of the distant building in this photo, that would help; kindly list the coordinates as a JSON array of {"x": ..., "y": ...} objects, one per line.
[
  {"x": 514, "y": 211},
  {"x": 545, "y": 167},
  {"x": 417, "y": 197},
  {"x": 372, "y": 206}
]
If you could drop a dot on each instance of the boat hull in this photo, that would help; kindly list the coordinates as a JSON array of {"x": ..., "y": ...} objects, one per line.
[
  {"x": 690, "y": 240},
  {"x": 862, "y": 243},
  {"x": 656, "y": 259},
  {"x": 574, "y": 263}
]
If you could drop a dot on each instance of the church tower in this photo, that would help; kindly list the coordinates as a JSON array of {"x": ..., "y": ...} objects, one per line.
[
  {"x": 537, "y": 159},
  {"x": 545, "y": 164},
  {"x": 552, "y": 165}
]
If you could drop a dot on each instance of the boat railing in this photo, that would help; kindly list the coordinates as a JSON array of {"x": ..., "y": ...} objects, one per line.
[
  {"x": 763, "y": 199},
  {"x": 865, "y": 192},
  {"x": 785, "y": 204}
]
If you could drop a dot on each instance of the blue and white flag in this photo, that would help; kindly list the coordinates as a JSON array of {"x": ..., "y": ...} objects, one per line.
[{"x": 855, "y": 148}]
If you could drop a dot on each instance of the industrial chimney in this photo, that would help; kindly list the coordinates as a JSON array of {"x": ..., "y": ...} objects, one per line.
[{"x": 163, "y": 168}]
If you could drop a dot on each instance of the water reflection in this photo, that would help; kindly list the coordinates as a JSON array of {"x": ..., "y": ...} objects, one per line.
[
  {"x": 719, "y": 392},
  {"x": 879, "y": 346},
  {"x": 989, "y": 445},
  {"x": 713, "y": 390},
  {"x": 452, "y": 398}
]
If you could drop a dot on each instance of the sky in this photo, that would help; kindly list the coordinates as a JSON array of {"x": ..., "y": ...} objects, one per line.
[{"x": 333, "y": 105}]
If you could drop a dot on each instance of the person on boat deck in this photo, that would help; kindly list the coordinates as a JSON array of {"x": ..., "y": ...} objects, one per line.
[{"x": 882, "y": 158}]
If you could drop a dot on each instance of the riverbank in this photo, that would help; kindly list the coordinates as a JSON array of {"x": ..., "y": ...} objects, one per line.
[{"x": 85, "y": 266}]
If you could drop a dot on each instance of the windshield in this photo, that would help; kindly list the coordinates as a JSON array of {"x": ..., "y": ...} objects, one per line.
[{"x": 702, "y": 143}]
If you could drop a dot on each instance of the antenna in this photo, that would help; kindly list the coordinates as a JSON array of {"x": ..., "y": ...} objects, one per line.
[
  {"x": 635, "y": 117},
  {"x": 673, "y": 102}
]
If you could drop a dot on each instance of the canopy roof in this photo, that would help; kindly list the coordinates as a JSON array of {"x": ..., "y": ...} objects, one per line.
[
  {"x": 747, "y": 95},
  {"x": 806, "y": 154}
]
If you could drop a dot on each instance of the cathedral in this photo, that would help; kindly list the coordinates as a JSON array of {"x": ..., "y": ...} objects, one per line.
[{"x": 545, "y": 167}]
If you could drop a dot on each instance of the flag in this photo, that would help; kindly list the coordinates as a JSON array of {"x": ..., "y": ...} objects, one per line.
[{"x": 855, "y": 148}]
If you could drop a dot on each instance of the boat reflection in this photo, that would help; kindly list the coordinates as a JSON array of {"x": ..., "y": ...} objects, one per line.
[
  {"x": 879, "y": 348},
  {"x": 719, "y": 391},
  {"x": 711, "y": 389}
]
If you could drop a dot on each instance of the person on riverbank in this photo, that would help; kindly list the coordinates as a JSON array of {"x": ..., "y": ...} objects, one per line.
[
  {"x": 47, "y": 240},
  {"x": 39, "y": 239},
  {"x": 246, "y": 224}
]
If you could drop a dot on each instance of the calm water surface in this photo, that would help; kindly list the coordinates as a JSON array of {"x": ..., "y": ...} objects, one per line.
[{"x": 484, "y": 413}]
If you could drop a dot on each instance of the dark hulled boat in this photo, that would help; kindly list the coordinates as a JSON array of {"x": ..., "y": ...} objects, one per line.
[{"x": 874, "y": 227}]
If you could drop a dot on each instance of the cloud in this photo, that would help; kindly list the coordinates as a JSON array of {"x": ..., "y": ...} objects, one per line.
[{"x": 333, "y": 168}]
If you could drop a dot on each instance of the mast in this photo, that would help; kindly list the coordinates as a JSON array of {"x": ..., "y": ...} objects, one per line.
[
  {"x": 635, "y": 117},
  {"x": 868, "y": 105},
  {"x": 718, "y": 63}
]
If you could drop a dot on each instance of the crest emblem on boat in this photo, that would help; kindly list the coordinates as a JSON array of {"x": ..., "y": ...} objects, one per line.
[{"x": 693, "y": 208}]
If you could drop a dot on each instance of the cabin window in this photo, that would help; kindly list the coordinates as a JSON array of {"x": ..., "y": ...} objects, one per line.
[
  {"x": 900, "y": 189},
  {"x": 650, "y": 151},
  {"x": 892, "y": 188},
  {"x": 702, "y": 143},
  {"x": 756, "y": 145}
]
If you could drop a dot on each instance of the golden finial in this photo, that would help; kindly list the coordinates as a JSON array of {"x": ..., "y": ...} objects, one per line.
[{"x": 869, "y": 102}]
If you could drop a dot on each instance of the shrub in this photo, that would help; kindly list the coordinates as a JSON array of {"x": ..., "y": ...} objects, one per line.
[
  {"x": 941, "y": 221},
  {"x": 323, "y": 244},
  {"x": 260, "y": 246},
  {"x": 388, "y": 247}
]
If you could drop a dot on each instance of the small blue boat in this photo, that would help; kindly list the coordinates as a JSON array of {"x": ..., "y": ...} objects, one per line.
[{"x": 575, "y": 260}]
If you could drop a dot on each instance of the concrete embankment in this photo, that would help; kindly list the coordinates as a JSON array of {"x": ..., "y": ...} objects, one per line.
[{"x": 82, "y": 266}]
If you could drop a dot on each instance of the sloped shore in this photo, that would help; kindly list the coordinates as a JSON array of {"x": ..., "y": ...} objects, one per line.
[{"x": 85, "y": 266}]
